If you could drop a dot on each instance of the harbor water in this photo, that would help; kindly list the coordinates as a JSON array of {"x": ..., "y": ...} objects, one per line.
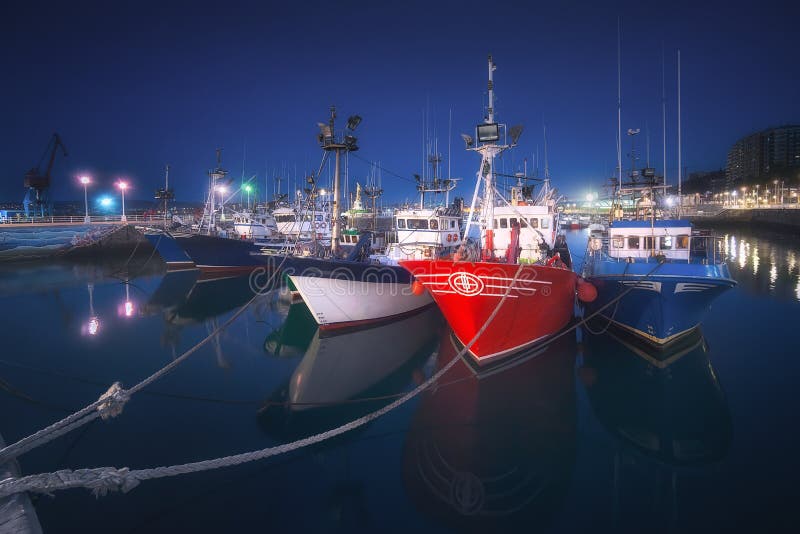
[{"x": 592, "y": 433}]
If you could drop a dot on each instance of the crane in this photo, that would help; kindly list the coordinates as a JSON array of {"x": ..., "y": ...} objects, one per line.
[{"x": 38, "y": 184}]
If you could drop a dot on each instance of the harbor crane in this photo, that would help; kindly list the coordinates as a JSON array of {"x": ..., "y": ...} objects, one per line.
[{"x": 38, "y": 184}]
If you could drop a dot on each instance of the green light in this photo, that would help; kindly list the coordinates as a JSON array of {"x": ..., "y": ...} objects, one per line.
[{"x": 247, "y": 188}]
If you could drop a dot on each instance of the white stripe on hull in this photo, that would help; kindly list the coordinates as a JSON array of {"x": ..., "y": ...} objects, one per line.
[{"x": 334, "y": 301}]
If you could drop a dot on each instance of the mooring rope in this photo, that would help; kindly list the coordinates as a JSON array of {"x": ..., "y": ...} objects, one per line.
[
  {"x": 112, "y": 401},
  {"x": 104, "y": 479}
]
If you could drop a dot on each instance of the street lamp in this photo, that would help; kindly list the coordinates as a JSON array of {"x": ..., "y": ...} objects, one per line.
[
  {"x": 85, "y": 180},
  {"x": 248, "y": 188},
  {"x": 122, "y": 187},
  {"x": 221, "y": 189}
]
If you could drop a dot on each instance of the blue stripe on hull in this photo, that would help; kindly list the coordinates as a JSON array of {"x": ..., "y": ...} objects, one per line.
[{"x": 659, "y": 309}]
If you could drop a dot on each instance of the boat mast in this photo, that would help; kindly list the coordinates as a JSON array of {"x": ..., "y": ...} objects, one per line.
[
  {"x": 345, "y": 143},
  {"x": 619, "y": 105},
  {"x": 663, "y": 116},
  {"x": 488, "y": 151},
  {"x": 680, "y": 198},
  {"x": 166, "y": 192}
]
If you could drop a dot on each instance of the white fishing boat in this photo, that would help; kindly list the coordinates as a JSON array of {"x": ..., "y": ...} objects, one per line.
[
  {"x": 256, "y": 224},
  {"x": 299, "y": 223},
  {"x": 425, "y": 232}
]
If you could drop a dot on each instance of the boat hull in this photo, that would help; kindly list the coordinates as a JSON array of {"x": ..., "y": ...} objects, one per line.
[
  {"x": 540, "y": 302},
  {"x": 347, "y": 303},
  {"x": 211, "y": 253},
  {"x": 657, "y": 302},
  {"x": 170, "y": 251}
]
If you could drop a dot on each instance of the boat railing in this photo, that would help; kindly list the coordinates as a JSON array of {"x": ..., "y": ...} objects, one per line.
[{"x": 702, "y": 248}]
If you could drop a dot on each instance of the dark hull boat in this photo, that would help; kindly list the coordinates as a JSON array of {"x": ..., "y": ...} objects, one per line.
[{"x": 170, "y": 251}]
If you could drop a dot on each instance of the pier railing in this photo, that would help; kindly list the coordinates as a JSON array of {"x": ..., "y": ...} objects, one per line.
[{"x": 80, "y": 219}]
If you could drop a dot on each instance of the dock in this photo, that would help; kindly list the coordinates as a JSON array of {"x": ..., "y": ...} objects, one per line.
[{"x": 17, "y": 514}]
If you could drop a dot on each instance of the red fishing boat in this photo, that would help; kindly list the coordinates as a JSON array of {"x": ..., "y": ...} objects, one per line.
[{"x": 522, "y": 267}]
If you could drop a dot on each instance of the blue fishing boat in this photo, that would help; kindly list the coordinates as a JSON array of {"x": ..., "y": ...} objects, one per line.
[{"x": 655, "y": 277}]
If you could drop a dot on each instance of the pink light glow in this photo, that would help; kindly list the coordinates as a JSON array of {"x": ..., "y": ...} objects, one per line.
[
  {"x": 122, "y": 185},
  {"x": 85, "y": 180}
]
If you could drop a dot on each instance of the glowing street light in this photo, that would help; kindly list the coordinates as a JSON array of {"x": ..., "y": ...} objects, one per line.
[
  {"x": 248, "y": 188},
  {"x": 85, "y": 180},
  {"x": 122, "y": 187}
]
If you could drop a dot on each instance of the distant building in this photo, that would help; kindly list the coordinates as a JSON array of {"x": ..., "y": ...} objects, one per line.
[
  {"x": 705, "y": 182},
  {"x": 763, "y": 155}
]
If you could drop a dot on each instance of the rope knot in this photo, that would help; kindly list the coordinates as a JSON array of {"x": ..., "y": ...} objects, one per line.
[
  {"x": 113, "y": 401},
  {"x": 106, "y": 480}
]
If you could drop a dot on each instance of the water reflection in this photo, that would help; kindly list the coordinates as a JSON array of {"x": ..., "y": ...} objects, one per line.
[
  {"x": 92, "y": 325},
  {"x": 776, "y": 251},
  {"x": 292, "y": 337},
  {"x": 666, "y": 412},
  {"x": 374, "y": 363},
  {"x": 495, "y": 451},
  {"x": 171, "y": 292}
]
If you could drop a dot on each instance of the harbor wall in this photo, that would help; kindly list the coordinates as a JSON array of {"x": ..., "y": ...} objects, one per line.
[
  {"x": 787, "y": 218},
  {"x": 47, "y": 241}
]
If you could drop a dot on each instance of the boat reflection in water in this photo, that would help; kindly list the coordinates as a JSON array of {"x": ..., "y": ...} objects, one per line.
[
  {"x": 185, "y": 299},
  {"x": 668, "y": 415},
  {"x": 292, "y": 337},
  {"x": 171, "y": 292},
  {"x": 337, "y": 370},
  {"x": 494, "y": 451}
]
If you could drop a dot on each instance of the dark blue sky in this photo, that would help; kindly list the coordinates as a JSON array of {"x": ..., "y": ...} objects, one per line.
[{"x": 133, "y": 86}]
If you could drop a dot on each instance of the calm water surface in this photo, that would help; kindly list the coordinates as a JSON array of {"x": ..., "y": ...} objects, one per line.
[{"x": 593, "y": 433}]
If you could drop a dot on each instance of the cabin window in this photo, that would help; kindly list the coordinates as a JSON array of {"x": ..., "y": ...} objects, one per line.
[
  {"x": 523, "y": 223},
  {"x": 617, "y": 241},
  {"x": 512, "y": 222},
  {"x": 534, "y": 223},
  {"x": 545, "y": 223},
  {"x": 648, "y": 243},
  {"x": 503, "y": 223},
  {"x": 318, "y": 218},
  {"x": 418, "y": 224},
  {"x": 494, "y": 224},
  {"x": 434, "y": 224},
  {"x": 452, "y": 223},
  {"x": 666, "y": 242},
  {"x": 401, "y": 223},
  {"x": 633, "y": 242},
  {"x": 682, "y": 241},
  {"x": 284, "y": 218}
]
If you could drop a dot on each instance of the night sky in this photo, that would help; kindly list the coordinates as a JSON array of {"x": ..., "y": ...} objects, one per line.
[{"x": 133, "y": 86}]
